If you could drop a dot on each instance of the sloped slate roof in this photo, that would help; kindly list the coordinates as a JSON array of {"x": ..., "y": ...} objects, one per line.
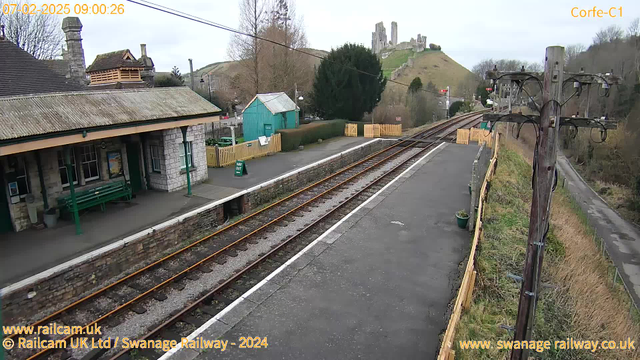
[
  {"x": 21, "y": 73},
  {"x": 24, "y": 116},
  {"x": 113, "y": 60},
  {"x": 276, "y": 102}
]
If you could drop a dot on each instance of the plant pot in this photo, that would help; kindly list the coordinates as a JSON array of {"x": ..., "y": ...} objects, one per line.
[
  {"x": 50, "y": 218},
  {"x": 462, "y": 221}
]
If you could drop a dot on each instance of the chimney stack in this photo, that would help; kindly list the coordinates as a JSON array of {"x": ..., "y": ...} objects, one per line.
[
  {"x": 72, "y": 28},
  {"x": 149, "y": 70}
]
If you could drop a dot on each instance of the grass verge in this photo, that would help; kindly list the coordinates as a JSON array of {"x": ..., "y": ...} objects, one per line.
[{"x": 578, "y": 299}]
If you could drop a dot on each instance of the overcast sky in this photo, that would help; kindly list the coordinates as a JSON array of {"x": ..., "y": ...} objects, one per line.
[{"x": 468, "y": 31}]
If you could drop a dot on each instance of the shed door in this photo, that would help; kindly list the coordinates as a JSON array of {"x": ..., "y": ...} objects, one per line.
[{"x": 268, "y": 130}]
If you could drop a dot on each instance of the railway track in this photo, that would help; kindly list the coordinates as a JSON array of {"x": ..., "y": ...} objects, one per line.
[{"x": 110, "y": 305}]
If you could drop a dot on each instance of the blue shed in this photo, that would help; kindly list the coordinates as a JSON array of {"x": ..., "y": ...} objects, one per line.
[{"x": 267, "y": 113}]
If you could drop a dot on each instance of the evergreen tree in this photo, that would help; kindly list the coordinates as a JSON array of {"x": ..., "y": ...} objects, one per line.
[
  {"x": 415, "y": 86},
  {"x": 341, "y": 91}
]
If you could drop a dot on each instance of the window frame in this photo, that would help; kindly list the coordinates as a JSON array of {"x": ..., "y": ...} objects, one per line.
[
  {"x": 24, "y": 175},
  {"x": 95, "y": 159},
  {"x": 183, "y": 165},
  {"x": 156, "y": 159},
  {"x": 74, "y": 165}
]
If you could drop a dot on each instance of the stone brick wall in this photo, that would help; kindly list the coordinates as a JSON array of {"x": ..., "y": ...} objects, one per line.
[
  {"x": 69, "y": 285},
  {"x": 62, "y": 288},
  {"x": 308, "y": 176},
  {"x": 172, "y": 141}
]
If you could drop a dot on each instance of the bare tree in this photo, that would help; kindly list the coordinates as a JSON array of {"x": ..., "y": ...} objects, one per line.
[
  {"x": 612, "y": 33},
  {"x": 571, "y": 53},
  {"x": 286, "y": 68},
  {"x": 247, "y": 50},
  {"x": 634, "y": 28},
  {"x": 38, "y": 34}
]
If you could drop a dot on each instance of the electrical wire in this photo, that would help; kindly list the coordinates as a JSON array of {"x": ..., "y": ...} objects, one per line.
[{"x": 187, "y": 16}]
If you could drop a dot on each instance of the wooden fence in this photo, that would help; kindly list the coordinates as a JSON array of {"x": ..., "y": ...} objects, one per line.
[
  {"x": 465, "y": 293},
  {"x": 372, "y": 130},
  {"x": 351, "y": 130},
  {"x": 462, "y": 136},
  {"x": 377, "y": 130},
  {"x": 390, "y": 130},
  {"x": 223, "y": 156},
  {"x": 479, "y": 135}
]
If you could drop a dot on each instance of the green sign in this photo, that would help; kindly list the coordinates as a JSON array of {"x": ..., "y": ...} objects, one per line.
[{"x": 241, "y": 168}]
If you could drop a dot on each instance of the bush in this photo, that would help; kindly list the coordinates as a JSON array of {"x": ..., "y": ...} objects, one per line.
[{"x": 310, "y": 133}]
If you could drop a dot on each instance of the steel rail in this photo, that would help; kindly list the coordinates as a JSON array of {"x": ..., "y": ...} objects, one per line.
[
  {"x": 237, "y": 275},
  {"x": 431, "y": 130}
]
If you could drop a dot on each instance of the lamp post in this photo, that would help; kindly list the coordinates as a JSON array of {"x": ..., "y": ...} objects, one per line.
[{"x": 208, "y": 83}]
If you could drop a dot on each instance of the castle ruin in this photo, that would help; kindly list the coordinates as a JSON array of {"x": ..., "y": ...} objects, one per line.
[{"x": 379, "y": 41}]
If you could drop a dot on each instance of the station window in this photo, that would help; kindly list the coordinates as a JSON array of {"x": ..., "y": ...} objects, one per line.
[
  {"x": 189, "y": 155},
  {"x": 62, "y": 169},
  {"x": 21, "y": 177},
  {"x": 156, "y": 157},
  {"x": 89, "y": 160}
]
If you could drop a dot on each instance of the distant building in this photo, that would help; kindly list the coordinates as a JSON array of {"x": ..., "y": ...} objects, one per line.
[
  {"x": 267, "y": 113},
  {"x": 118, "y": 69}
]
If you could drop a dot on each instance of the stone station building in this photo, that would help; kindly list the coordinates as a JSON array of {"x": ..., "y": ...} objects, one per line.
[{"x": 129, "y": 135}]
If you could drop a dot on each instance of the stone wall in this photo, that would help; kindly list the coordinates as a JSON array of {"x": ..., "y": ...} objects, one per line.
[
  {"x": 172, "y": 141},
  {"x": 303, "y": 178},
  {"x": 64, "y": 287}
]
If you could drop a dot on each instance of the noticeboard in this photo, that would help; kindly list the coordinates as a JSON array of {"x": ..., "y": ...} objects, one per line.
[{"x": 241, "y": 168}]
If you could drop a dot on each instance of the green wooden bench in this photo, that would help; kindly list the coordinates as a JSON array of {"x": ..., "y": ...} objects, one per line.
[{"x": 96, "y": 196}]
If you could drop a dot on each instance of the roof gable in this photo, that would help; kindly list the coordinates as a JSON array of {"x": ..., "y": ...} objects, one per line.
[
  {"x": 276, "y": 102},
  {"x": 114, "y": 60},
  {"x": 21, "y": 73}
]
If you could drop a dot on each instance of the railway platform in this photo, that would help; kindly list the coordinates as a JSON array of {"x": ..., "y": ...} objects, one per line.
[
  {"x": 375, "y": 285},
  {"x": 32, "y": 252}
]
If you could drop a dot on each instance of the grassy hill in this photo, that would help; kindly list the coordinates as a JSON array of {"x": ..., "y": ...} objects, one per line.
[
  {"x": 231, "y": 68},
  {"x": 429, "y": 65}
]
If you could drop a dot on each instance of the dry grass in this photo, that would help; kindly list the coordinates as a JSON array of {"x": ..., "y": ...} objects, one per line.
[{"x": 582, "y": 302}]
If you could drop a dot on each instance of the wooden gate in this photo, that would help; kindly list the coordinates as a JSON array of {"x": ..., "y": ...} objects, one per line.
[
  {"x": 372, "y": 130},
  {"x": 351, "y": 130},
  {"x": 462, "y": 136}
]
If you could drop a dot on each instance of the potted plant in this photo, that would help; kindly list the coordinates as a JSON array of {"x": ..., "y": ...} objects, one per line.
[{"x": 462, "y": 218}]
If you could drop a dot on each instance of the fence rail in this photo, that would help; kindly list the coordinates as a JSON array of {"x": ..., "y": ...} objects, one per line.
[
  {"x": 465, "y": 293},
  {"x": 223, "y": 156}
]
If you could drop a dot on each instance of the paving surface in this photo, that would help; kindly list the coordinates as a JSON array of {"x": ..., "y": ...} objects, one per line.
[
  {"x": 376, "y": 287},
  {"x": 621, "y": 238},
  {"x": 29, "y": 252},
  {"x": 269, "y": 167}
]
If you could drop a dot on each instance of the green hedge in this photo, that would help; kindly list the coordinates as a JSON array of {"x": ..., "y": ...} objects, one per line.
[{"x": 310, "y": 133}]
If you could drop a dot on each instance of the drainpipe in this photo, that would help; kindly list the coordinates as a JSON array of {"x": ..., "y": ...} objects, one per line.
[
  {"x": 42, "y": 185},
  {"x": 72, "y": 191},
  {"x": 186, "y": 158}
]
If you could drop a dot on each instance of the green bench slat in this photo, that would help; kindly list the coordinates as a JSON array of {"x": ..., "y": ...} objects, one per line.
[{"x": 96, "y": 196}]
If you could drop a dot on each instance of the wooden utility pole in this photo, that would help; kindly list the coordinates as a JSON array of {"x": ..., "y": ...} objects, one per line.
[
  {"x": 543, "y": 182},
  {"x": 547, "y": 126}
]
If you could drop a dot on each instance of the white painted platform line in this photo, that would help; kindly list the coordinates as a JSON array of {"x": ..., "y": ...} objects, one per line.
[
  {"x": 122, "y": 243},
  {"x": 211, "y": 321}
]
